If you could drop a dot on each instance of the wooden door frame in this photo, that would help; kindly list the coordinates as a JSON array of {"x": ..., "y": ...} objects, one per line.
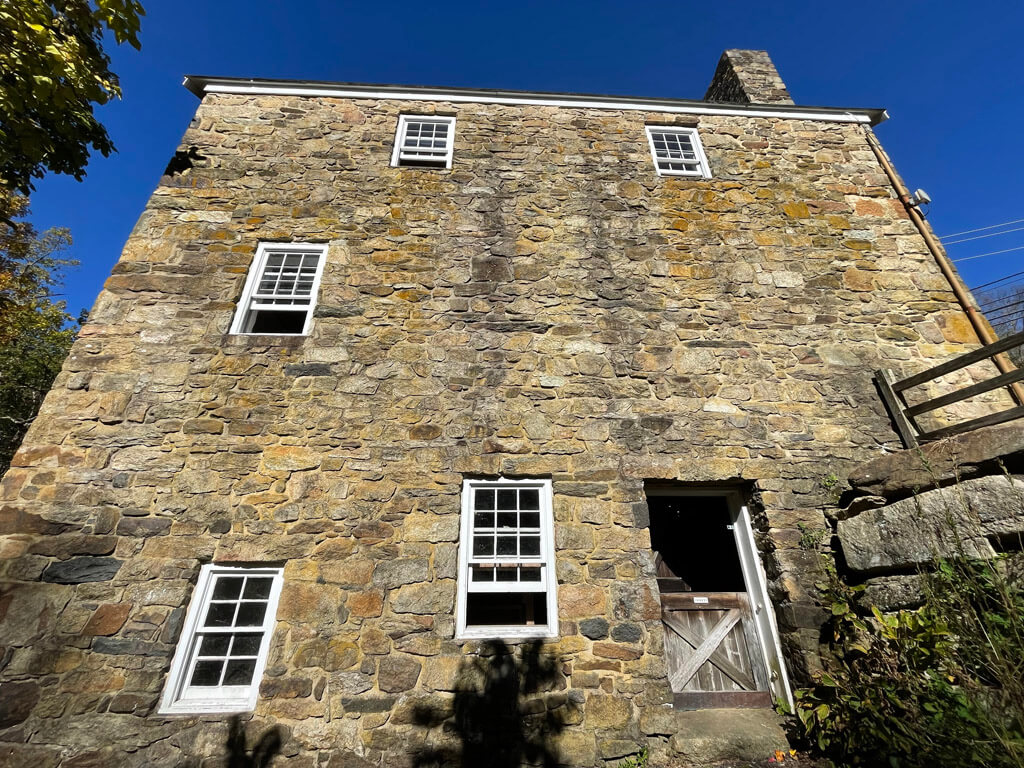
[{"x": 754, "y": 579}]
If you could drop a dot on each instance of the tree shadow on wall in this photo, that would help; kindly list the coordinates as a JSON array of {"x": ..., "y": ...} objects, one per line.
[
  {"x": 508, "y": 709},
  {"x": 237, "y": 754}
]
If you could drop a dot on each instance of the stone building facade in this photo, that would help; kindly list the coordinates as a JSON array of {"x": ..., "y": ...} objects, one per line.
[{"x": 548, "y": 309}]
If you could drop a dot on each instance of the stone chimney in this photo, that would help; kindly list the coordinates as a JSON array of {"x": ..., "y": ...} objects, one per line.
[{"x": 747, "y": 77}]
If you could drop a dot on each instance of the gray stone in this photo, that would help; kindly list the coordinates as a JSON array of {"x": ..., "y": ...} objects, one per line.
[
  {"x": 942, "y": 522},
  {"x": 711, "y": 736},
  {"x": 79, "y": 570},
  {"x": 308, "y": 369},
  {"x": 119, "y": 646},
  {"x": 933, "y": 464},
  {"x": 595, "y": 629},
  {"x": 363, "y": 704},
  {"x": 17, "y": 700},
  {"x": 627, "y": 633},
  {"x": 395, "y": 573},
  {"x": 893, "y": 593}
]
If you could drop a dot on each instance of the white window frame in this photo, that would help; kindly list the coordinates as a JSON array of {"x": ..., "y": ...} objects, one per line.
[
  {"x": 398, "y": 157},
  {"x": 178, "y": 698},
  {"x": 250, "y": 301},
  {"x": 703, "y": 170},
  {"x": 548, "y": 583}
]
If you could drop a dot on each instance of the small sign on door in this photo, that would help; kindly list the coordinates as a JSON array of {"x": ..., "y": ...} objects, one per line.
[{"x": 700, "y": 600}]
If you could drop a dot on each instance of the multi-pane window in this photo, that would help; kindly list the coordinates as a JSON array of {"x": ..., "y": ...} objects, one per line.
[
  {"x": 506, "y": 560},
  {"x": 224, "y": 643},
  {"x": 424, "y": 141},
  {"x": 677, "y": 152},
  {"x": 280, "y": 292}
]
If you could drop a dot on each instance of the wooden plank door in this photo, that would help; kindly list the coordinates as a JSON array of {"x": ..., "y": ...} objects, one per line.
[{"x": 711, "y": 649}]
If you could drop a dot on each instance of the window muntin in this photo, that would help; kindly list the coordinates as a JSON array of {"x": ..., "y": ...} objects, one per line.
[
  {"x": 281, "y": 289},
  {"x": 677, "y": 152},
  {"x": 224, "y": 643},
  {"x": 506, "y": 560},
  {"x": 426, "y": 141}
]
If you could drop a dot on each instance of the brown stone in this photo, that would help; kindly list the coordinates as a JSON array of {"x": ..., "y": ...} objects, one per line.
[
  {"x": 366, "y": 604},
  {"x": 607, "y": 711},
  {"x": 397, "y": 673},
  {"x": 107, "y": 619},
  {"x": 614, "y": 651},
  {"x": 578, "y": 601}
]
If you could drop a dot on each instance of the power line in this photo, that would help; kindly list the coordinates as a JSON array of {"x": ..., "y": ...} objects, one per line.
[
  {"x": 991, "y": 253},
  {"x": 994, "y": 282},
  {"x": 982, "y": 229},
  {"x": 982, "y": 237},
  {"x": 1013, "y": 303},
  {"x": 1013, "y": 314}
]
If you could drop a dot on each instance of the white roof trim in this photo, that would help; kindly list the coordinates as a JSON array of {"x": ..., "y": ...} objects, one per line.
[{"x": 204, "y": 85}]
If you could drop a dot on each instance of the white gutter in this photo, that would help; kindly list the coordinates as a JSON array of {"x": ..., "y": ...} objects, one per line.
[{"x": 204, "y": 85}]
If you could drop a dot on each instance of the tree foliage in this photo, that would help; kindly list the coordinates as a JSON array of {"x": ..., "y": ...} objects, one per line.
[
  {"x": 53, "y": 69},
  {"x": 36, "y": 331}
]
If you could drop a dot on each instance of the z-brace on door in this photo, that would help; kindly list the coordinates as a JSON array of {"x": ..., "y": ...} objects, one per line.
[{"x": 721, "y": 643}]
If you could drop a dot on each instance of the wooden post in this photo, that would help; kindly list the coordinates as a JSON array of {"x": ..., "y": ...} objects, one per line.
[{"x": 885, "y": 378}]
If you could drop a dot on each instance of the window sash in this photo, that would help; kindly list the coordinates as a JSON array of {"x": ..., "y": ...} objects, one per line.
[
  {"x": 281, "y": 288},
  {"x": 677, "y": 152},
  {"x": 541, "y": 564},
  {"x": 180, "y": 695},
  {"x": 415, "y": 144}
]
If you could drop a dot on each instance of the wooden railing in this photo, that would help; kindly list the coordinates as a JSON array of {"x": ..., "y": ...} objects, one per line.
[{"x": 904, "y": 416}]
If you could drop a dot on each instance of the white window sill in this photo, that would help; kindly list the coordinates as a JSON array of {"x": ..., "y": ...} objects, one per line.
[{"x": 507, "y": 633}]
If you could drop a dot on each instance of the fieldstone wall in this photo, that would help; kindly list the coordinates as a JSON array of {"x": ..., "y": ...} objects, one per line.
[
  {"x": 963, "y": 496},
  {"x": 549, "y": 307}
]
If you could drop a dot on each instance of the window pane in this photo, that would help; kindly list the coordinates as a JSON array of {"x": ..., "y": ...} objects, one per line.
[
  {"x": 483, "y": 519},
  {"x": 227, "y": 587},
  {"x": 529, "y": 519},
  {"x": 482, "y": 574},
  {"x": 239, "y": 671},
  {"x": 529, "y": 498},
  {"x": 507, "y": 545},
  {"x": 483, "y": 546},
  {"x": 220, "y": 614},
  {"x": 507, "y": 519},
  {"x": 529, "y": 545},
  {"x": 485, "y": 499},
  {"x": 246, "y": 645},
  {"x": 251, "y": 614},
  {"x": 506, "y": 498},
  {"x": 258, "y": 589},
  {"x": 214, "y": 645},
  {"x": 529, "y": 574},
  {"x": 207, "y": 673},
  {"x": 506, "y": 574}
]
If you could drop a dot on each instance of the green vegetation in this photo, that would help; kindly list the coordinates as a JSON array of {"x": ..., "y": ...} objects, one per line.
[
  {"x": 939, "y": 685},
  {"x": 53, "y": 69},
  {"x": 639, "y": 760},
  {"x": 36, "y": 331}
]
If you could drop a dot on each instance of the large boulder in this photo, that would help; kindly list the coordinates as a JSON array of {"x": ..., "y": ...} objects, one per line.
[{"x": 957, "y": 519}]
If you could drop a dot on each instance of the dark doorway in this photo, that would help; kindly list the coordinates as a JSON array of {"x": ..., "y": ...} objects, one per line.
[{"x": 693, "y": 540}]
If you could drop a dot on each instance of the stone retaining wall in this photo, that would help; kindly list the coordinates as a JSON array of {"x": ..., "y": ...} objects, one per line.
[{"x": 963, "y": 496}]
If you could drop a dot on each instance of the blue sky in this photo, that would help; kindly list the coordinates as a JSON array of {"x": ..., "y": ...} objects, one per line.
[{"x": 950, "y": 75}]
